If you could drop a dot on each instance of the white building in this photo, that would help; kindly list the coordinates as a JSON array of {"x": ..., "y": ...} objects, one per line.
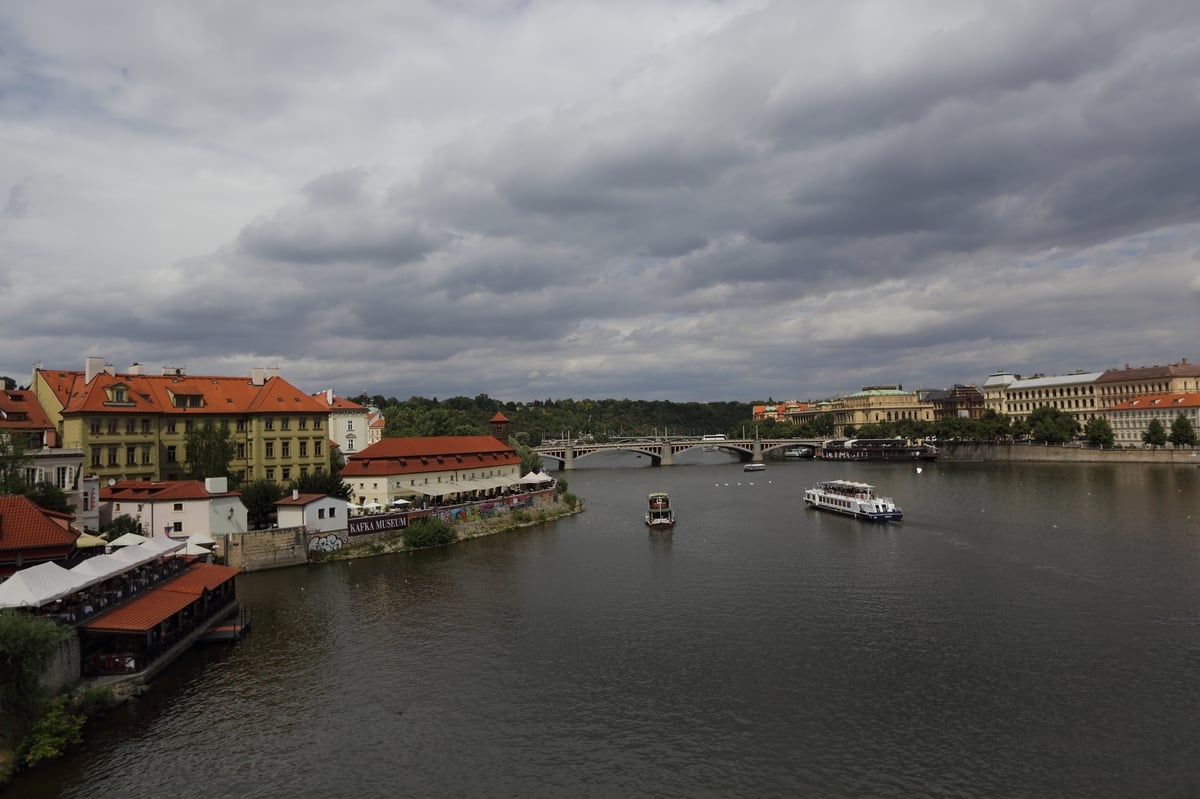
[
  {"x": 1130, "y": 419},
  {"x": 176, "y": 508},
  {"x": 348, "y": 423},
  {"x": 318, "y": 513},
  {"x": 1017, "y": 397}
]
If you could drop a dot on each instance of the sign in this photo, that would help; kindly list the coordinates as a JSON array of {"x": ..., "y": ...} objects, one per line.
[{"x": 364, "y": 525}]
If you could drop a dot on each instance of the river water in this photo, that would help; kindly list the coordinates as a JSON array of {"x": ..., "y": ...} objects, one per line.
[{"x": 1027, "y": 630}]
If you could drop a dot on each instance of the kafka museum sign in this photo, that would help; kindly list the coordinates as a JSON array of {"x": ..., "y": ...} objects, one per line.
[{"x": 362, "y": 525}]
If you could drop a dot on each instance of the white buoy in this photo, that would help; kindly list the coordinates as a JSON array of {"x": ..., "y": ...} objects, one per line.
[{"x": 918, "y": 470}]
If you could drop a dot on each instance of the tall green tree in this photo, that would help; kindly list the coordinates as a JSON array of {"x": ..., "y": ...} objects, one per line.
[
  {"x": 121, "y": 525},
  {"x": 1052, "y": 425},
  {"x": 210, "y": 450},
  {"x": 26, "y": 644},
  {"x": 530, "y": 460},
  {"x": 322, "y": 482},
  {"x": 1099, "y": 433},
  {"x": 259, "y": 498},
  {"x": 1183, "y": 434},
  {"x": 14, "y": 459},
  {"x": 1155, "y": 435}
]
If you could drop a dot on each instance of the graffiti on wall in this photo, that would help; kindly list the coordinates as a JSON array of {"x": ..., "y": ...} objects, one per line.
[{"x": 331, "y": 542}]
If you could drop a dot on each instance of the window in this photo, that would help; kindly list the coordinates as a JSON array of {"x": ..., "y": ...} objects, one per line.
[
  {"x": 349, "y": 424},
  {"x": 171, "y": 454},
  {"x": 285, "y": 423},
  {"x": 112, "y": 456},
  {"x": 146, "y": 456},
  {"x": 271, "y": 473},
  {"x": 317, "y": 448},
  {"x": 187, "y": 426},
  {"x": 64, "y": 477},
  {"x": 303, "y": 422},
  {"x": 95, "y": 456},
  {"x": 270, "y": 453},
  {"x": 145, "y": 425},
  {"x": 316, "y": 423},
  {"x": 177, "y": 527},
  {"x": 320, "y": 513},
  {"x": 131, "y": 456},
  {"x": 177, "y": 507},
  {"x": 268, "y": 423},
  {"x": 241, "y": 451},
  {"x": 350, "y": 444},
  {"x": 171, "y": 426},
  {"x": 285, "y": 449},
  {"x": 240, "y": 426},
  {"x": 287, "y": 473},
  {"x": 304, "y": 471},
  {"x": 94, "y": 426},
  {"x": 130, "y": 426},
  {"x": 303, "y": 449},
  {"x": 112, "y": 426}
]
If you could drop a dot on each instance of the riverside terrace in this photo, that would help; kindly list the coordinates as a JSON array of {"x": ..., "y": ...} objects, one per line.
[{"x": 132, "y": 611}]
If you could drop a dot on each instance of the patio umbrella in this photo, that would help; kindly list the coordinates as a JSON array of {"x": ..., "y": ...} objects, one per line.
[
  {"x": 87, "y": 540},
  {"x": 201, "y": 539},
  {"x": 399, "y": 503},
  {"x": 372, "y": 505}
]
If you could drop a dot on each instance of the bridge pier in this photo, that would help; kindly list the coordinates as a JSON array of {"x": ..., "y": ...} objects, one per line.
[
  {"x": 667, "y": 458},
  {"x": 758, "y": 452},
  {"x": 569, "y": 459}
]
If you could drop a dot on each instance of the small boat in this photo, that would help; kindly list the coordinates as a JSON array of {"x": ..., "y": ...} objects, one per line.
[
  {"x": 660, "y": 516},
  {"x": 757, "y": 466},
  {"x": 853, "y": 499},
  {"x": 798, "y": 453}
]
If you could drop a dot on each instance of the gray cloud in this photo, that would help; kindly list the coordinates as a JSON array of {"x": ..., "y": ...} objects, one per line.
[{"x": 658, "y": 199}]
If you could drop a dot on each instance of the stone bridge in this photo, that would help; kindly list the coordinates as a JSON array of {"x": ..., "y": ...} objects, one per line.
[{"x": 663, "y": 452}]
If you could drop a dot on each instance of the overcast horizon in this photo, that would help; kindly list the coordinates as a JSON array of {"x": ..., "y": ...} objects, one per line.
[{"x": 665, "y": 199}]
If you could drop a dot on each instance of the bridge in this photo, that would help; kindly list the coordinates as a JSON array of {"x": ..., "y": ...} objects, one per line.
[{"x": 662, "y": 452}]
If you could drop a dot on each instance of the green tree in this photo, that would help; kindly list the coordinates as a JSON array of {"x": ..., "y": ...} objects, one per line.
[
  {"x": 49, "y": 496},
  {"x": 14, "y": 459},
  {"x": 1182, "y": 432},
  {"x": 1099, "y": 432},
  {"x": 1155, "y": 435},
  {"x": 1052, "y": 425},
  {"x": 530, "y": 460},
  {"x": 26, "y": 644},
  {"x": 121, "y": 525},
  {"x": 429, "y": 532},
  {"x": 322, "y": 482},
  {"x": 259, "y": 498},
  {"x": 210, "y": 450}
]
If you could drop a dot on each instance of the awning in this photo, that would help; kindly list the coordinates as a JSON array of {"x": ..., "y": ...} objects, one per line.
[
  {"x": 141, "y": 614},
  {"x": 38, "y": 585},
  {"x": 428, "y": 491},
  {"x": 498, "y": 482}
]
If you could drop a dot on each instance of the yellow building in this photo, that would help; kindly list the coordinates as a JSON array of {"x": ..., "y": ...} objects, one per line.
[{"x": 133, "y": 426}]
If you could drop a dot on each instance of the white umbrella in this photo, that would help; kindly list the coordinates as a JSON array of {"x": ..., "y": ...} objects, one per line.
[
  {"x": 372, "y": 505},
  {"x": 201, "y": 539},
  {"x": 400, "y": 502}
]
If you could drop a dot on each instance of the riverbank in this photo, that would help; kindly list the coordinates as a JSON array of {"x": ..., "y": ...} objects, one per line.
[
  {"x": 395, "y": 542},
  {"x": 1056, "y": 453}
]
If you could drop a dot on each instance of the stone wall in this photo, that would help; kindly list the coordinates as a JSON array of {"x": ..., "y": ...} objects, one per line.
[
  {"x": 1064, "y": 454},
  {"x": 266, "y": 549}
]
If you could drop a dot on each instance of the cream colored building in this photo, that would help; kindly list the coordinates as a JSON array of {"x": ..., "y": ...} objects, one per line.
[
  {"x": 432, "y": 467},
  {"x": 1131, "y": 419},
  {"x": 1017, "y": 397}
]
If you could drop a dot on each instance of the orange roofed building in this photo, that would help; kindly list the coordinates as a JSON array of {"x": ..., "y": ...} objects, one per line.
[
  {"x": 133, "y": 426},
  {"x": 30, "y": 535},
  {"x": 450, "y": 467}
]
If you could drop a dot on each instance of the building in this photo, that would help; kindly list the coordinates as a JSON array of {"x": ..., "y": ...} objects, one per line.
[
  {"x": 176, "y": 508},
  {"x": 30, "y": 535},
  {"x": 1115, "y": 386},
  {"x": 348, "y": 423},
  {"x": 1017, "y": 397},
  {"x": 27, "y": 424},
  {"x": 957, "y": 402},
  {"x": 318, "y": 513},
  {"x": 431, "y": 468},
  {"x": 1131, "y": 419},
  {"x": 134, "y": 426}
]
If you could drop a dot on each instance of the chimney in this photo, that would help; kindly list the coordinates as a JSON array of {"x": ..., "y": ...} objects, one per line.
[
  {"x": 257, "y": 377},
  {"x": 173, "y": 371},
  {"x": 92, "y": 366},
  {"x": 329, "y": 392},
  {"x": 295, "y": 493},
  {"x": 135, "y": 370},
  {"x": 216, "y": 485},
  {"x": 272, "y": 371}
]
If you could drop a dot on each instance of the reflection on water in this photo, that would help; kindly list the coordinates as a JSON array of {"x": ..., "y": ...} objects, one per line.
[{"x": 1027, "y": 630}]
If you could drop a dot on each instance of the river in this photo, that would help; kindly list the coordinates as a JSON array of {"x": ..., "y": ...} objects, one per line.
[{"x": 1026, "y": 630}]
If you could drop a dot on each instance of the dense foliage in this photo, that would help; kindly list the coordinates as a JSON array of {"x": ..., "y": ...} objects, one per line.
[
  {"x": 210, "y": 449},
  {"x": 259, "y": 498},
  {"x": 1182, "y": 432},
  {"x": 429, "y": 532},
  {"x": 121, "y": 525},
  {"x": 1155, "y": 435},
  {"x": 321, "y": 482},
  {"x": 26, "y": 644},
  {"x": 1099, "y": 432}
]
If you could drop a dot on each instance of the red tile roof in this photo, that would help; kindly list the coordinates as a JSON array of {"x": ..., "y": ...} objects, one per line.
[
  {"x": 429, "y": 454},
  {"x": 1183, "y": 369},
  {"x": 20, "y": 410},
  {"x": 161, "y": 602},
  {"x": 158, "y": 393},
  {"x": 303, "y": 499},
  {"x": 158, "y": 490},
  {"x": 1159, "y": 402},
  {"x": 23, "y": 525}
]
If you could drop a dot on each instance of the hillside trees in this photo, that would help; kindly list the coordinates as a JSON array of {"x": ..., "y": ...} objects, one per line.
[{"x": 1052, "y": 425}]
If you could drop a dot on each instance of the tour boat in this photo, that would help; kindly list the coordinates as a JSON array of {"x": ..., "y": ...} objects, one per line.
[
  {"x": 659, "y": 515},
  {"x": 876, "y": 449},
  {"x": 853, "y": 499},
  {"x": 754, "y": 467}
]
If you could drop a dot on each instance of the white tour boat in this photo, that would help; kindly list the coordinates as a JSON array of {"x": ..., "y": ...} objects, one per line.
[{"x": 853, "y": 499}]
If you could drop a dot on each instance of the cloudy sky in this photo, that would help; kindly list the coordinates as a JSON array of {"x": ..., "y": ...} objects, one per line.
[{"x": 652, "y": 199}]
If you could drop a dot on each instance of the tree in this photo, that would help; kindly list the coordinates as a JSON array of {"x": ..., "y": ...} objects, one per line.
[
  {"x": 530, "y": 460},
  {"x": 259, "y": 498},
  {"x": 322, "y": 482},
  {"x": 14, "y": 459},
  {"x": 1155, "y": 435},
  {"x": 26, "y": 644},
  {"x": 1052, "y": 425},
  {"x": 210, "y": 450},
  {"x": 1182, "y": 432},
  {"x": 1099, "y": 432},
  {"x": 49, "y": 496},
  {"x": 8, "y": 383},
  {"x": 121, "y": 525}
]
